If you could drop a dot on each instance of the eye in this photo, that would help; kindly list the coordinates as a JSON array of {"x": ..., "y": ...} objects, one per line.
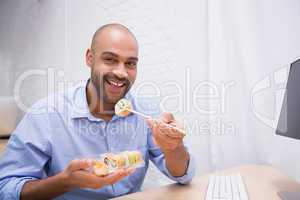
[
  {"x": 131, "y": 64},
  {"x": 110, "y": 60}
]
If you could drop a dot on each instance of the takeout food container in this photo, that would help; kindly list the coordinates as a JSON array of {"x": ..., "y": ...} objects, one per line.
[{"x": 110, "y": 162}]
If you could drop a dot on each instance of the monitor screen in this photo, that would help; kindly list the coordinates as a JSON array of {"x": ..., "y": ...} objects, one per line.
[{"x": 289, "y": 119}]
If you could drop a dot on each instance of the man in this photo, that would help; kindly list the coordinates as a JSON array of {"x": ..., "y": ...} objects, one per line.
[{"x": 45, "y": 157}]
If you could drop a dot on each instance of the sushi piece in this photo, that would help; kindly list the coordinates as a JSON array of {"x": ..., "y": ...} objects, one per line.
[
  {"x": 134, "y": 157},
  {"x": 100, "y": 168},
  {"x": 120, "y": 160},
  {"x": 123, "y": 108},
  {"x": 109, "y": 161}
]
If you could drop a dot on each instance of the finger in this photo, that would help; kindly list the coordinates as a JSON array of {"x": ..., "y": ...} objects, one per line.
[
  {"x": 130, "y": 170},
  {"x": 79, "y": 164},
  {"x": 167, "y": 142},
  {"x": 174, "y": 133},
  {"x": 95, "y": 181},
  {"x": 90, "y": 180},
  {"x": 125, "y": 173},
  {"x": 160, "y": 128},
  {"x": 107, "y": 180},
  {"x": 161, "y": 139},
  {"x": 171, "y": 130},
  {"x": 166, "y": 137},
  {"x": 91, "y": 162},
  {"x": 157, "y": 131},
  {"x": 154, "y": 126},
  {"x": 167, "y": 117},
  {"x": 115, "y": 177},
  {"x": 87, "y": 176}
]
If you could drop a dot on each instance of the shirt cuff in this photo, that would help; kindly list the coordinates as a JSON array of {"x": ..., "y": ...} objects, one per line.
[
  {"x": 20, "y": 184},
  {"x": 188, "y": 176}
]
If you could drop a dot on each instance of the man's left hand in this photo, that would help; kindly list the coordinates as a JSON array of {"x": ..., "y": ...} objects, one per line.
[{"x": 166, "y": 137}]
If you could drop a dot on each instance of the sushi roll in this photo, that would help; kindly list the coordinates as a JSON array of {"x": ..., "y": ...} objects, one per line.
[
  {"x": 120, "y": 160},
  {"x": 109, "y": 161},
  {"x": 134, "y": 157},
  {"x": 100, "y": 168},
  {"x": 123, "y": 108}
]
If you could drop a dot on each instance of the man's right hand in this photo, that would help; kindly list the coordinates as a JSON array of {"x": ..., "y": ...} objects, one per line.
[
  {"x": 77, "y": 176},
  {"x": 73, "y": 177}
]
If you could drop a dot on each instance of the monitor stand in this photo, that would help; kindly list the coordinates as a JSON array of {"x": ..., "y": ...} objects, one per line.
[{"x": 284, "y": 195}]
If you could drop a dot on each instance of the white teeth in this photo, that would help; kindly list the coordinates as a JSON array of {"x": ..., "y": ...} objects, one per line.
[{"x": 116, "y": 84}]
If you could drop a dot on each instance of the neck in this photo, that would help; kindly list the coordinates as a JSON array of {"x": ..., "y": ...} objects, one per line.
[{"x": 97, "y": 106}]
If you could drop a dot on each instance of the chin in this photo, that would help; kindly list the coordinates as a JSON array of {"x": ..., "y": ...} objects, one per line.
[{"x": 114, "y": 100}]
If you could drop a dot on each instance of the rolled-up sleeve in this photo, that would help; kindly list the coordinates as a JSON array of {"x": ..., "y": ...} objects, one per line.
[
  {"x": 25, "y": 156},
  {"x": 157, "y": 157},
  {"x": 11, "y": 187},
  {"x": 187, "y": 177}
]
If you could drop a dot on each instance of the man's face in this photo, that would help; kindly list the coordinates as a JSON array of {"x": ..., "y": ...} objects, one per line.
[{"x": 113, "y": 63}]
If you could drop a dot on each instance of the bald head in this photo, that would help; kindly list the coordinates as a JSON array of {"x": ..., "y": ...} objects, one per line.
[{"x": 111, "y": 30}]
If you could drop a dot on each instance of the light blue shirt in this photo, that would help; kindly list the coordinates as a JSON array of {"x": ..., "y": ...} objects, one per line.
[{"x": 60, "y": 128}]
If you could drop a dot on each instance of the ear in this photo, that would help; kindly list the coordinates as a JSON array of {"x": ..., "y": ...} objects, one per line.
[{"x": 89, "y": 57}]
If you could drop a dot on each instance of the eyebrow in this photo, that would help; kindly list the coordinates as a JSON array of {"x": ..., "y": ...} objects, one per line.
[
  {"x": 108, "y": 53},
  {"x": 133, "y": 58}
]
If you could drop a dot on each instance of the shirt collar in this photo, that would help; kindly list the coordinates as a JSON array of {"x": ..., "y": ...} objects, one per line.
[{"x": 80, "y": 108}]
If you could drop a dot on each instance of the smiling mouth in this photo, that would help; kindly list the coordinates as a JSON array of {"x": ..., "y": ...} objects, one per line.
[{"x": 116, "y": 83}]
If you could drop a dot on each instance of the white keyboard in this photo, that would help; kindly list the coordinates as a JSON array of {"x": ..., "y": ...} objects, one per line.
[{"x": 229, "y": 187}]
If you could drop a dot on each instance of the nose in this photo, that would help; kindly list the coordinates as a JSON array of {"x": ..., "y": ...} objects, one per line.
[{"x": 120, "y": 71}]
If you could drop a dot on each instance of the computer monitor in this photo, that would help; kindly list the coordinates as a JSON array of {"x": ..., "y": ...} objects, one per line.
[
  {"x": 289, "y": 119},
  {"x": 288, "y": 123}
]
